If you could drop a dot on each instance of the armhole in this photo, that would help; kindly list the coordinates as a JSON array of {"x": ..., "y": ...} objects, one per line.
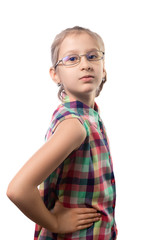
[{"x": 52, "y": 129}]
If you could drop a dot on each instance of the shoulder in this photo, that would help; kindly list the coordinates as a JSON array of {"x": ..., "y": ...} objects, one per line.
[
  {"x": 71, "y": 132},
  {"x": 72, "y": 126},
  {"x": 63, "y": 113}
]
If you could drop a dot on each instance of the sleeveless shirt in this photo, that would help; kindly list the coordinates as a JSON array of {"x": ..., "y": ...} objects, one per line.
[{"x": 85, "y": 178}]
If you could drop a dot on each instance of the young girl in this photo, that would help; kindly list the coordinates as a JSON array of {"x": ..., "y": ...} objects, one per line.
[{"x": 76, "y": 197}]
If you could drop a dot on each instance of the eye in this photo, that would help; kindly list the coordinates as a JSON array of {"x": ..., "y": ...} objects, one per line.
[
  {"x": 93, "y": 55},
  {"x": 70, "y": 59}
]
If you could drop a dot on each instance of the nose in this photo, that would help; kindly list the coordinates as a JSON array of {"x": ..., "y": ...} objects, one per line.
[{"x": 85, "y": 64}]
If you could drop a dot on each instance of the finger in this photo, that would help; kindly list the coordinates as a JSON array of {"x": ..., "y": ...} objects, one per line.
[
  {"x": 80, "y": 227},
  {"x": 88, "y": 221},
  {"x": 85, "y": 210},
  {"x": 88, "y": 216}
]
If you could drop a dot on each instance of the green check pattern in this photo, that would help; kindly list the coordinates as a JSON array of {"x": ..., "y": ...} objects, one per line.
[{"x": 85, "y": 178}]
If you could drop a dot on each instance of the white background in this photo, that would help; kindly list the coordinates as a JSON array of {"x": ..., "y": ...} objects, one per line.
[{"x": 129, "y": 102}]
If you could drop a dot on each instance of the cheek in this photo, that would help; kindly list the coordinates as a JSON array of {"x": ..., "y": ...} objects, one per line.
[
  {"x": 67, "y": 77},
  {"x": 62, "y": 75},
  {"x": 67, "y": 74},
  {"x": 99, "y": 67},
  {"x": 100, "y": 72}
]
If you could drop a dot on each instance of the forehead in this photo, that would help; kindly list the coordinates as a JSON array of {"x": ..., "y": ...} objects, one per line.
[{"x": 79, "y": 43}]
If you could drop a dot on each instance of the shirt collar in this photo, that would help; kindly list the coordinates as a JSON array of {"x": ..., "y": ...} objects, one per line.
[{"x": 81, "y": 108}]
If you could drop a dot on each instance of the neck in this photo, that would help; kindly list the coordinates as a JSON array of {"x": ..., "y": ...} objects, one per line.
[{"x": 86, "y": 99}]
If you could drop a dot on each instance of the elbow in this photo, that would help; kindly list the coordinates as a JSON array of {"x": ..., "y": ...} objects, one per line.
[
  {"x": 10, "y": 192},
  {"x": 13, "y": 193}
]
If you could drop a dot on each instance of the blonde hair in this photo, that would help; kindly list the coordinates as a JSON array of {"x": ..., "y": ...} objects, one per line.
[{"x": 56, "y": 46}]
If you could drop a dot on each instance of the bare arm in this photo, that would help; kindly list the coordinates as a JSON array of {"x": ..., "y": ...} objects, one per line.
[{"x": 23, "y": 191}]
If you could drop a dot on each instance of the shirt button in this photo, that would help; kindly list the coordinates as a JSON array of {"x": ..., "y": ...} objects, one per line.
[{"x": 112, "y": 181}]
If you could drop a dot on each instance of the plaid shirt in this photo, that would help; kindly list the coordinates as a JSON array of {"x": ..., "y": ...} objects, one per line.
[{"x": 85, "y": 178}]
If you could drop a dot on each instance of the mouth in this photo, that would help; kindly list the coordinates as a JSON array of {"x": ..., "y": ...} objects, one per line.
[{"x": 87, "y": 77}]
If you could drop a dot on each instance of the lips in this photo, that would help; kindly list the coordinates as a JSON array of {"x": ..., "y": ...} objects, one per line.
[{"x": 87, "y": 77}]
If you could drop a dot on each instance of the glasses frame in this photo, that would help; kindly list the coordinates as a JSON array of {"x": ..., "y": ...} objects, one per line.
[{"x": 79, "y": 57}]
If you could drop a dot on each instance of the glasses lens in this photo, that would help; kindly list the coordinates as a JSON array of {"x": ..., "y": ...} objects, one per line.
[
  {"x": 94, "y": 55},
  {"x": 71, "y": 59}
]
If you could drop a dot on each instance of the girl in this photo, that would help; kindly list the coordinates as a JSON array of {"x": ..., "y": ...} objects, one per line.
[{"x": 74, "y": 166}]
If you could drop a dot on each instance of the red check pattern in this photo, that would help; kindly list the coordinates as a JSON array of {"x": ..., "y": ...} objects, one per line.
[{"x": 85, "y": 178}]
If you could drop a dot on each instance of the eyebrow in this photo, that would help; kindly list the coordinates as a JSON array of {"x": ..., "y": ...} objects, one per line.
[{"x": 76, "y": 51}]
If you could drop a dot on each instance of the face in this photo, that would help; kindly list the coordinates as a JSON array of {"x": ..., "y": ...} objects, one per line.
[{"x": 83, "y": 79}]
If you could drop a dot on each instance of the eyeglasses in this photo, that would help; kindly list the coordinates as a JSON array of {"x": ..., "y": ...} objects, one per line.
[{"x": 74, "y": 59}]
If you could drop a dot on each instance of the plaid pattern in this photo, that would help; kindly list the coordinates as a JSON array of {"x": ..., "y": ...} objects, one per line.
[{"x": 85, "y": 178}]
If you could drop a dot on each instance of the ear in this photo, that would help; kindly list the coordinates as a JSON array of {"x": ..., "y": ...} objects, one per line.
[
  {"x": 104, "y": 72},
  {"x": 105, "y": 75},
  {"x": 54, "y": 75}
]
